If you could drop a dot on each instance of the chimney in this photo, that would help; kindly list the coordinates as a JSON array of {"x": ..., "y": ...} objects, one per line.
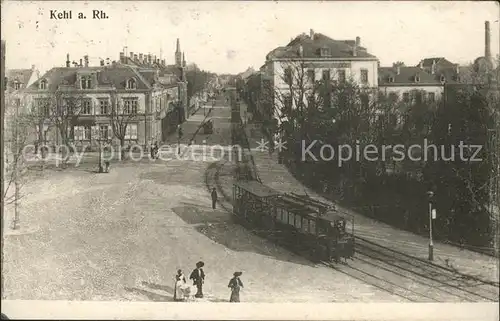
[
  {"x": 122, "y": 57},
  {"x": 149, "y": 59},
  {"x": 81, "y": 63},
  {"x": 457, "y": 68},
  {"x": 355, "y": 49},
  {"x": 311, "y": 33},
  {"x": 398, "y": 69},
  {"x": 154, "y": 59},
  {"x": 86, "y": 58},
  {"x": 301, "y": 51},
  {"x": 135, "y": 57},
  {"x": 113, "y": 63},
  {"x": 102, "y": 62},
  {"x": 433, "y": 67},
  {"x": 68, "y": 63},
  {"x": 141, "y": 57},
  {"x": 358, "y": 41},
  {"x": 163, "y": 62},
  {"x": 33, "y": 67},
  {"x": 131, "y": 55},
  {"x": 487, "y": 49}
]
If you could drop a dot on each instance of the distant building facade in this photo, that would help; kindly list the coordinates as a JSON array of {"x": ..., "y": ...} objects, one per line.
[
  {"x": 137, "y": 93},
  {"x": 312, "y": 58}
]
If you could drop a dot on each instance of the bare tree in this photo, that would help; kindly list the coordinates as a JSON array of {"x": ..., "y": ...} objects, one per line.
[
  {"x": 17, "y": 135},
  {"x": 120, "y": 117}
]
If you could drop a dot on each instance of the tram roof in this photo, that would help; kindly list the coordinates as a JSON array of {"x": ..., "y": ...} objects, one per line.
[{"x": 257, "y": 188}]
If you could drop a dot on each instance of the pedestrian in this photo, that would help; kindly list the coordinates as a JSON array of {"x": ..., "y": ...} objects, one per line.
[
  {"x": 180, "y": 283},
  {"x": 106, "y": 163},
  {"x": 214, "y": 197},
  {"x": 235, "y": 284},
  {"x": 198, "y": 277}
]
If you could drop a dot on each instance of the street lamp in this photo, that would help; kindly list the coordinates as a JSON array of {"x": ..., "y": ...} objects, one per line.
[
  {"x": 179, "y": 136},
  {"x": 432, "y": 215}
]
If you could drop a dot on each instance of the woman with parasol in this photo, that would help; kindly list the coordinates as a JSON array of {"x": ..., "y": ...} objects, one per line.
[{"x": 235, "y": 284}]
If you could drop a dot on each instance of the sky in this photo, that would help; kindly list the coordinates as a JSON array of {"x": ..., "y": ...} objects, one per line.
[{"x": 230, "y": 36}]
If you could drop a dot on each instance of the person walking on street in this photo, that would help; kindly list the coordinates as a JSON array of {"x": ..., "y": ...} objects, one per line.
[
  {"x": 214, "y": 198},
  {"x": 180, "y": 282},
  {"x": 235, "y": 284},
  {"x": 198, "y": 277}
]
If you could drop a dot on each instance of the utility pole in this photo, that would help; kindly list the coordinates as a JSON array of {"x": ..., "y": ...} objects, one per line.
[
  {"x": 432, "y": 214},
  {"x": 2, "y": 137}
]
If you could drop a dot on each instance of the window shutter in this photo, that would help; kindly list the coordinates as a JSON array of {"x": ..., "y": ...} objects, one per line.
[{"x": 110, "y": 132}]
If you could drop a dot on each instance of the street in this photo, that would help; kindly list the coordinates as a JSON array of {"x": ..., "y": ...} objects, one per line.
[{"x": 123, "y": 235}]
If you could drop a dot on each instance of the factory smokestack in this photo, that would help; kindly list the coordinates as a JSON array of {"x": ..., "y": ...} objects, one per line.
[{"x": 487, "y": 49}]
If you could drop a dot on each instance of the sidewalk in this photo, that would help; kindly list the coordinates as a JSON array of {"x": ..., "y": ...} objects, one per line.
[{"x": 479, "y": 265}]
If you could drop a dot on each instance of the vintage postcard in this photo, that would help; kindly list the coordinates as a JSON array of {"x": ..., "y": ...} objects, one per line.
[{"x": 304, "y": 159}]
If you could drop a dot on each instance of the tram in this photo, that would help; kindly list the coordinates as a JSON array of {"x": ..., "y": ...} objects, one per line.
[{"x": 305, "y": 225}]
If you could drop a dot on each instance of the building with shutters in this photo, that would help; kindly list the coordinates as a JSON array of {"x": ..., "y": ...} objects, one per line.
[
  {"x": 138, "y": 95},
  {"x": 312, "y": 57}
]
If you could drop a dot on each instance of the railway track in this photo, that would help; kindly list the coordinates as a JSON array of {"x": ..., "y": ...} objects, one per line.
[{"x": 409, "y": 278}]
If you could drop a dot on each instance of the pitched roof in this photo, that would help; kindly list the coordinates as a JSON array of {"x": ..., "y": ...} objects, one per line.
[
  {"x": 22, "y": 76},
  {"x": 406, "y": 76},
  {"x": 116, "y": 75},
  {"x": 311, "y": 48},
  {"x": 440, "y": 61}
]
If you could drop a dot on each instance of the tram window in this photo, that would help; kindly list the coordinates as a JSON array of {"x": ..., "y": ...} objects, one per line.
[
  {"x": 312, "y": 226},
  {"x": 305, "y": 223},
  {"x": 291, "y": 220},
  {"x": 298, "y": 221}
]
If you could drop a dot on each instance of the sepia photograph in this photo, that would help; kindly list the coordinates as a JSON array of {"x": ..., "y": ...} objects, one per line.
[{"x": 319, "y": 160}]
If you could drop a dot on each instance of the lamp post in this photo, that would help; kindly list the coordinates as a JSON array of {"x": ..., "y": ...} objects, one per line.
[
  {"x": 432, "y": 215},
  {"x": 179, "y": 136}
]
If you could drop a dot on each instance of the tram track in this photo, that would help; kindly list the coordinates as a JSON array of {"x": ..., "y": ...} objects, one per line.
[{"x": 407, "y": 277}]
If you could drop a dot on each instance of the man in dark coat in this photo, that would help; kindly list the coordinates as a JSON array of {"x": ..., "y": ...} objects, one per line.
[
  {"x": 198, "y": 277},
  {"x": 214, "y": 198}
]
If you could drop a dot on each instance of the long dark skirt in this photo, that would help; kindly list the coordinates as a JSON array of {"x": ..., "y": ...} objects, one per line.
[{"x": 235, "y": 295}]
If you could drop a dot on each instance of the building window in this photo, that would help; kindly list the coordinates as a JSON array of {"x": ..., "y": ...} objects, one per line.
[
  {"x": 17, "y": 102},
  {"x": 391, "y": 79},
  {"x": 311, "y": 100},
  {"x": 418, "y": 97},
  {"x": 365, "y": 101},
  {"x": 86, "y": 107},
  {"x": 341, "y": 74},
  {"x": 325, "y": 52},
  {"x": 406, "y": 97},
  {"x": 364, "y": 76},
  {"x": 326, "y": 75},
  {"x": 393, "y": 97},
  {"x": 442, "y": 79},
  {"x": 131, "y": 84},
  {"x": 104, "y": 132},
  {"x": 130, "y": 106},
  {"x": 43, "y": 84},
  {"x": 431, "y": 97},
  {"x": 103, "y": 106},
  {"x": 288, "y": 76},
  {"x": 85, "y": 82},
  {"x": 87, "y": 132},
  {"x": 17, "y": 85},
  {"x": 131, "y": 131},
  {"x": 311, "y": 75},
  {"x": 288, "y": 103},
  {"x": 42, "y": 105}
]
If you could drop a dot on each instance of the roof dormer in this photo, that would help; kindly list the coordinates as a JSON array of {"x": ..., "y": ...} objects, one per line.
[
  {"x": 325, "y": 52},
  {"x": 131, "y": 83},
  {"x": 42, "y": 85},
  {"x": 442, "y": 78},
  {"x": 416, "y": 78},
  {"x": 391, "y": 78}
]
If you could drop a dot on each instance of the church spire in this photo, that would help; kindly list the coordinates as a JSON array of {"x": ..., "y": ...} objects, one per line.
[
  {"x": 178, "y": 55},
  {"x": 183, "y": 60}
]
